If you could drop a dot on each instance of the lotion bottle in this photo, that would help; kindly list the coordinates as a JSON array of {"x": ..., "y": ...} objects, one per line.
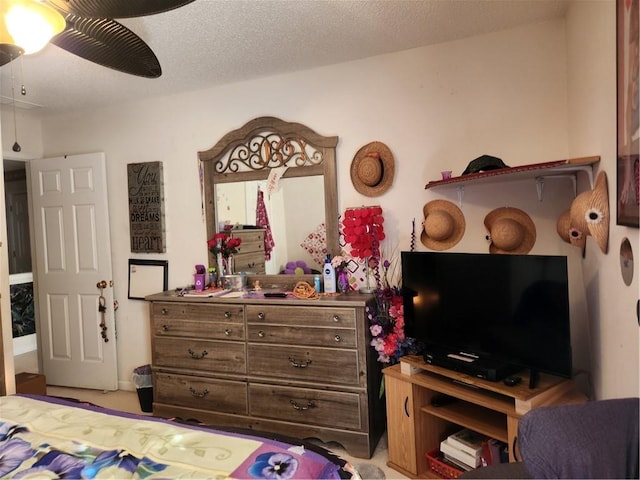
[{"x": 329, "y": 274}]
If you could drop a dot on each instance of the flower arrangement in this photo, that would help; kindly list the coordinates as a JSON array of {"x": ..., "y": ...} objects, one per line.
[
  {"x": 363, "y": 230},
  {"x": 386, "y": 320},
  {"x": 223, "y": 244},
  {"x": 341, "y": 262}
]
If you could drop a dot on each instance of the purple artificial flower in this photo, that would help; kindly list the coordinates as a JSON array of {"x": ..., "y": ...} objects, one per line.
[
  {"x": 274, "y": 466},
  {"x": 12, "y": 453}
]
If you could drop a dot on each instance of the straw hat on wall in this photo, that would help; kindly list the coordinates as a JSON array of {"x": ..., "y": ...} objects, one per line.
[
  {"x": 511, "y": 231},
  {"x": 568, "y": 234},
  {"x": 589, "y": 215},
  {"x": 372, "y": 169},
  {"x": 443, "y": 225}
]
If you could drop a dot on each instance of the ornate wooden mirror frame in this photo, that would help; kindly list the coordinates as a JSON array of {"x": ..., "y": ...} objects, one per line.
[{"x": 264, "y": 143}]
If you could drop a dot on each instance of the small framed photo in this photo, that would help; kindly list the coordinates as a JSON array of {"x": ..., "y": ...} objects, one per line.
[
  {"x": 628, "y": 122},
  {"x": 147, "y": 277}
]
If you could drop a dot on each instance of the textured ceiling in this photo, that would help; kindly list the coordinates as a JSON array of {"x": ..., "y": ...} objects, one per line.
[{"x": 213, "y": 42}]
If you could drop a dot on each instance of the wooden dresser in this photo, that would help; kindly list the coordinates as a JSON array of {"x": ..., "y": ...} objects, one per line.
[
  {"x": 250, "y": 256},
  {"x": 302, "y": 368}
]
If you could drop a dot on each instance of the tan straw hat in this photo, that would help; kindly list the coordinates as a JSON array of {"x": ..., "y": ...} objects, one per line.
[
  {"x": 570, "y": 234},
  {"x": 443, "y": 225},
  {"x": 563, "y": 225},
  {"x": 589, "y": 215},
  {"x": 372, "y": 169},
  {"x": 510, "y": 231}
]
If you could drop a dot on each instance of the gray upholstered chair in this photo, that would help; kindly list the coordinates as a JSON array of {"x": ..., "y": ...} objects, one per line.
[{"x": 592, "y": 440}]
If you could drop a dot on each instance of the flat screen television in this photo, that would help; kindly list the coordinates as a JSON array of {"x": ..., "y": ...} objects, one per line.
[{"x": 495, "y": 313}]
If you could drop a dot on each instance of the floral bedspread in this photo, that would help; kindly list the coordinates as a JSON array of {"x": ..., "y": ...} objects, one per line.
[{"x": 44, "y": 437}]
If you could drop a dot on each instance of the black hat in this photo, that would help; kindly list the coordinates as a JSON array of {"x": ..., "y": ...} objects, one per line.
[{"x": 484, "y": 163}]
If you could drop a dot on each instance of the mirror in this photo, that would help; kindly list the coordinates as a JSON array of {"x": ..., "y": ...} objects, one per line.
[
  {"x": 295, "y": 168},
  {"x": 294, "y": 210}
]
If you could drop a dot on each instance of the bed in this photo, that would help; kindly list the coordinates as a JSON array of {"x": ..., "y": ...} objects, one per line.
[{"x": 49, "y": 437}]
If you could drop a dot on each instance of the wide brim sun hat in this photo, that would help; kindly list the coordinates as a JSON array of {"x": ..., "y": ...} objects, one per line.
[
  {"x": 511, "y": 231},
  {"x": 373, "y": 169},
  {"x": 568, "y": 234},
  {"x": 589, "y": 215},
  {"x": 443, "y": 225}
]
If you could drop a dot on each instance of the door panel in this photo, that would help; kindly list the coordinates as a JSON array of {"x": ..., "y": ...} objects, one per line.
[{"x": 73, "y": 254}]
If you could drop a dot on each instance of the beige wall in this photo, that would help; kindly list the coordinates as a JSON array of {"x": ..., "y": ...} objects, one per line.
[
  {"x": 505, "y": 94},
  {"x": 613, "y": 322}
]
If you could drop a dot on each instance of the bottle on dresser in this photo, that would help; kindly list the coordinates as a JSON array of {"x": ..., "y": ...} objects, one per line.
[{"x": 329, "y": 274}]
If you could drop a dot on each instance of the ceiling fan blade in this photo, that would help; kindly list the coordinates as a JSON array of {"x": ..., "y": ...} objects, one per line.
[
  {"x": 117, "y": 8},
  {"x": 108, "y": 43}
]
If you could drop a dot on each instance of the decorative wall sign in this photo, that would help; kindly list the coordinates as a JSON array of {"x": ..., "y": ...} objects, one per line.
[{"x": 146, "y": 207}]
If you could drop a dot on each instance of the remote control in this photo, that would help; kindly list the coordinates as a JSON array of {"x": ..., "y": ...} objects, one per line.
[{"x": 513, "y": 380}]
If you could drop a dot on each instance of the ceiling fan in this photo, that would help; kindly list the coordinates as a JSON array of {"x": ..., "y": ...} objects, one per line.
[{"x": 86, "y": 28}]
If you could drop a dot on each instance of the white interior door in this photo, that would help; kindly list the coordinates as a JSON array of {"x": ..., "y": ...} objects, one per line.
[{"x": 73, "y": 255}]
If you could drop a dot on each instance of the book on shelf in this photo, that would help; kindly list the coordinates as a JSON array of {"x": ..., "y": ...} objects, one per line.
[
  {"x": 452, "y": 462},
  {"x": 494, "y": 451},
  {"x": 472, "y": 461},
  {"x": 468, "y": 441}
]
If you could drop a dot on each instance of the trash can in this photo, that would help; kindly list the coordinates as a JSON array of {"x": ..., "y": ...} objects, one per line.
[{"x": 144, "y": 386}]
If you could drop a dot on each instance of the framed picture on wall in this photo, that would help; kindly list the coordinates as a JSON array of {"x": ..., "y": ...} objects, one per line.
[
  {"x": 628, "y": 131},
  {"x": 147, "y": 277}
]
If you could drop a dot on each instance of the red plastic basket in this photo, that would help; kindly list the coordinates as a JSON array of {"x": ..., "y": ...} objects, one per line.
[{"x": 444, "y": 470}]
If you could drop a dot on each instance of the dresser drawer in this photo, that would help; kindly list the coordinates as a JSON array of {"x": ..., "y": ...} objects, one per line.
[
  {"x": 198, "y": 329},
  {"x": 312, "y": 364},
  {"x": 252, "y": 241},
  {"x": 198, "y": 311},
  {"x": 201, "y": 393},
  {"x": 303, "y": 405},
  {"x": 249, "y": 262},
  {"x": 205, "y": 355},
  {"x": 302, "y": 316},
  {"x": 319, "y": 337}
]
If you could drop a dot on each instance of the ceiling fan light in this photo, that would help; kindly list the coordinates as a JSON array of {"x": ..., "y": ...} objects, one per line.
[{"x": 30, "y": 24}]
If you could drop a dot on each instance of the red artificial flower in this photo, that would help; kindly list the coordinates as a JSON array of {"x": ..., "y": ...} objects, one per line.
[{"x": 223, "y": 244}]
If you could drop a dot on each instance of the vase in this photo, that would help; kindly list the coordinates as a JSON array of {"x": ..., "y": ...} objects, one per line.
[
  {"x": 228, "y": 265},
  {"x": 343, "y": 281}
]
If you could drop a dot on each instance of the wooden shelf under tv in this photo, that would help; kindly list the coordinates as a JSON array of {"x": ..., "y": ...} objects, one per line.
[{"x": 416, "y": 426}]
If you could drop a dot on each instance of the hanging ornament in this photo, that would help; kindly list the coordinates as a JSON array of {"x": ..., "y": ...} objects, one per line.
[{"x": 16, "y": 146}]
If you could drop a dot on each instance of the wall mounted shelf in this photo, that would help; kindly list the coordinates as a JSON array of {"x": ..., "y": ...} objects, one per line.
[{"x": 535, "y": 171}]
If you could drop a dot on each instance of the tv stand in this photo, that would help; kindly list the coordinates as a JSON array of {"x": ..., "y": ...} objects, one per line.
[{"x": 417, "y": 420}]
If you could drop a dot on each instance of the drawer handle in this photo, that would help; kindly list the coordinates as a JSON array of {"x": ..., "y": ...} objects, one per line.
[
  {"x": 337, "y": 338},
  {"x": 197, "y": 394},
  {"x": 295, "y": 405},
  {"x": 261, "y": 315},
  {"x": 227, "y": 314},
  {"x": 294, "y": 363},
  {"x": 406, "y": 407},
  {"x": 252, "y": 264},
  {"x": 195, "y": 356},
  {"x": 336, "y": 318},
  {"x": 165, "y": 328},
  {"x": 227, "y": 332},
  {"x": 165, "y": 311},
  {"x": 261, "y": 334}
]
